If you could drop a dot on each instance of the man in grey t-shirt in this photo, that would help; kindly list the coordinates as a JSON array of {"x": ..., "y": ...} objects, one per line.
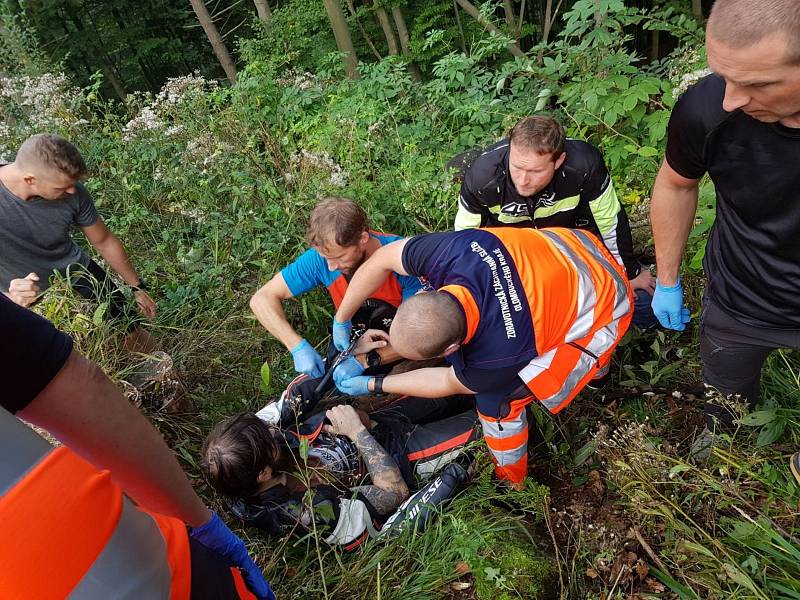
[{"x": 41, "y": 199}]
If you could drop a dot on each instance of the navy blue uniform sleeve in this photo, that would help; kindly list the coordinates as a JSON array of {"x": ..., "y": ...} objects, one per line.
[
  {"x": 693, "y": 116},
  {"x": 500, "y": 381},
  {"x": 32, "y": 352},
  {"x": 419, "y": 252}
]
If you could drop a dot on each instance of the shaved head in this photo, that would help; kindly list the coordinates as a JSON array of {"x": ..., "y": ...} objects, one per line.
[
  {"x": 50, "y": 152},
  {"x": 426, "y": 325},
  {"x": 742, "y": 23}
]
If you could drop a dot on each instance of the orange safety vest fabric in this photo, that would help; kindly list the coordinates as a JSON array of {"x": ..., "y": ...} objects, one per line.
[
  {"x": 58, "y": 518},
  {"x": 507, "y": 439},
  {"x": 390, "y": 291},
  {"x": 556, "y": 376}
]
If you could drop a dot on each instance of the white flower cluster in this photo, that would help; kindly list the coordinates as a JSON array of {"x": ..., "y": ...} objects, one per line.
[
  {"x": 318, "y": 161},
  {"x": 43, "y": 102},
  {"x": 179, "y": 89},
  {"x": 689, "y": 79},
  {"x": 688, "y": 58},
  {"x": 146, "y": 120},
  {"x": 302, "y": 80},
  {"x": 156, "y": 113},
  {"x": 205, "y": 151}
]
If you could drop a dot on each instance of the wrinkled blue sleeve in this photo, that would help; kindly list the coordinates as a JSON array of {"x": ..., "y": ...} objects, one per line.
[{"x": 306, "y": 272}]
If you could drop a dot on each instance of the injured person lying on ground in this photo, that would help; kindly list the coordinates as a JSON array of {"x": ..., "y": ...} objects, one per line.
[{"x": 371, "y": 474}]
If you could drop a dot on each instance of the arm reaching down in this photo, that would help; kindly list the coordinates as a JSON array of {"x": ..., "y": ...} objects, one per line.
[
  {"x": 370, "y": 276},
  {"x": 388, "y": 489},
  {"x": 83, "y": 408}
]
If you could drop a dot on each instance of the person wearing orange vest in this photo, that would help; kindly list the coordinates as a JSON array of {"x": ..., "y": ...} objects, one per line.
[
  {"x": 520, "y": 314},
  {"x": 340, "y": 239},
  {"x": 109, "y": 514}
]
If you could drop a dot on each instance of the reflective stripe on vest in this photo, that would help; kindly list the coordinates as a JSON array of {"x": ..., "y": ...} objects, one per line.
[
  {"x": 68, "y": 531},
  {"x": 556, "y": 376}
]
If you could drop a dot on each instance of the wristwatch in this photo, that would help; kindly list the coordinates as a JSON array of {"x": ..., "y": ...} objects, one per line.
[
  {"x": 377, "y": 385},
  {"x": 373, "y": 358}
]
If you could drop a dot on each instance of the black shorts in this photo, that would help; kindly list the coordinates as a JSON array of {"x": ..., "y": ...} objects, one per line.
[{"x": 93, "y": 283}]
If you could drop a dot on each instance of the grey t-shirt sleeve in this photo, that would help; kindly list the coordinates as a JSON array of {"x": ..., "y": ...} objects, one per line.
[{"x": 85, "y": 210}]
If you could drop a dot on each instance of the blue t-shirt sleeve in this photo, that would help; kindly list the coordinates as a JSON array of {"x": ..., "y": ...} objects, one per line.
[
  {"x": 306, "y": 272},
  {"x": 410, "y": 285}
]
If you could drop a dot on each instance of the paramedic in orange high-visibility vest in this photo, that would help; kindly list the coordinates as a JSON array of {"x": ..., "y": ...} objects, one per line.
[
  {"x": 519, "y": 314},
  {"x": 340, "y": 239},
  {"x": 109, "y": 514}
]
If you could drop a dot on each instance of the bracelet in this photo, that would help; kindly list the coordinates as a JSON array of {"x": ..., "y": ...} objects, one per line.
[
  {"x": 377, "y": 385},
  {"x": 140, "y": 287}
]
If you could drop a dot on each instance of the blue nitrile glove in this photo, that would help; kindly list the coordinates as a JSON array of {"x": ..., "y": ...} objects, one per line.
[
  {"x": 214, "y": 534},
  {"x": 355, "y": 386},
  {"x": 668, "y": 306},
  {"x": 341, "y": 334},
  {"x": 346, "y": 369},
  {"x": 307, "y": 360}
]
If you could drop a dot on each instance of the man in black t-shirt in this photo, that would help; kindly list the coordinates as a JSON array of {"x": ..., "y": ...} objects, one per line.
[
  {"x": 539, "y": 178},
  {"x": 742, "y": 127}
]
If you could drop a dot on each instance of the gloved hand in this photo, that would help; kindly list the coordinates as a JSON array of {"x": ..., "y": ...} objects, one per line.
[
  {"x": 307, "y": 360},
  {"x": 355, "y": 386},
  {"x": 341, "y": 334},
  {"x": 668, "y": 306},
  {"x": 215, "y": 535},
  {"x": 347, "y": 369}
]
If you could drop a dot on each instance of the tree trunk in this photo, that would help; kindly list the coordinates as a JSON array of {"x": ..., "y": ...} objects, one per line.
[
  {"x": 697, "y": 9},
  {"x": 508, "y": 9},
  {"x": 655, "y": 42},
  {"x": 343, "y": 41},
  {"x": 402, "y": 33},
  {"x": 388, "y": 32},
  {"x": 473, "y": 12},
  {"x": 363, "y": 31},
  {"x": 460, "y": 29},
  {"x": 264, "y": 13},
  {"x": 220, "y": 51},
  {"x": 548, "y": 20}
]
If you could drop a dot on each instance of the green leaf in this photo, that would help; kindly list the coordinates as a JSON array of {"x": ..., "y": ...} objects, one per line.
[
  {"x": 647, "y": 151},
  {"x": 629, "y": 102},
  {"x": 304, "y": 447},
  {"x": 758, "y": 418},
  {"x": 770, "y": 433},
  {"x": 266, "y": 377},
  {"x": 679, "y": 468},
  {"x": 585, "y": 452},
  {"x": 99, "y": 314}
]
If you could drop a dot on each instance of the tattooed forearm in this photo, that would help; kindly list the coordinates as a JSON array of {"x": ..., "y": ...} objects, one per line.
[{"x": 388, "y": 489}]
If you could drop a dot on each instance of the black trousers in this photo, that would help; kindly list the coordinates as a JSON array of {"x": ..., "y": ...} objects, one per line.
[
  {"x": 93, "y": 283},
  {"x": 733, "y": 355}
]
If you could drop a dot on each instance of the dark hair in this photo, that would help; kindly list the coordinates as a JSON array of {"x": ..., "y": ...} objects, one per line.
[
  {"x": 338, "y": 220},
  {"x": 236, "y": 452},
  {"x": 742, "y": 23},
  {"x": 543, "y": 135}
]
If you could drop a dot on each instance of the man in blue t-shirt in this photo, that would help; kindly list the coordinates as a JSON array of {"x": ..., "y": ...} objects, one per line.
[{"x": 340, "y": 241}]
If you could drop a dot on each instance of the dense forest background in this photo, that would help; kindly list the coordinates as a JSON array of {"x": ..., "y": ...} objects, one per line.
[{"x": 212, "y": 129}]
